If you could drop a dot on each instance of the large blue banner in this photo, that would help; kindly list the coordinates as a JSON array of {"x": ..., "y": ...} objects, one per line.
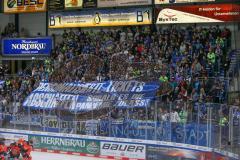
[
  {"x": 27, "y": 46},
  {"x": 190, "y": 133},
  {"x": 90, "y": 96}
]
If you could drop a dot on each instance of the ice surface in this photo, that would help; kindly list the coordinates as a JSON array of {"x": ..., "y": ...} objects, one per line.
[{"x": 54, "y": 156}]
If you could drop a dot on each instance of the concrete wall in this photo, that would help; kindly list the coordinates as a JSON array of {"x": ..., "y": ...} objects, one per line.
[
  {"x": 34, "y": 23},
  {"x": 5, "y": 19}
]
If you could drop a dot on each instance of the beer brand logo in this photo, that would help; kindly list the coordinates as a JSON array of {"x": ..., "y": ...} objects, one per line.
[
  {"x": 35, "y": 140},
  {"x": 92, "y": 148},
  {"x": 29, "y": 45}
]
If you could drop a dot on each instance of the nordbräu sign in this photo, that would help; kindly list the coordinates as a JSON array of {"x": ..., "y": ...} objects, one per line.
[{"x": 27, "y": 46}]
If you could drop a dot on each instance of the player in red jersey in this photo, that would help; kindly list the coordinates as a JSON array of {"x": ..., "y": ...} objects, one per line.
[
  {"x": 3, "y": 151},
  {"x": 14, "y": 151},
  {"x": 26, "y": 150}
]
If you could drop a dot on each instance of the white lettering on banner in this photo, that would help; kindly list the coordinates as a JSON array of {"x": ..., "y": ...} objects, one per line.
[
  {"x": 123, "y": 150},
  {"x": 63, "y": 142},
  {"x": 80, "y": 88},
  {"x": 67, "y": 101},
  {"x": 26, "y": 47}
]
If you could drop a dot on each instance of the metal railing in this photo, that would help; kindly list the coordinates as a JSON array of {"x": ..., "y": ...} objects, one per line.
[{"x": 205, "y": 124}]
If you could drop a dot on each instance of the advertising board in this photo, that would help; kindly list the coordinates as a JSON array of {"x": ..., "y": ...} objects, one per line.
[
  {"x": 94, "y": 18},
  {"x": 117, "y": 147},
  {"x": 54, "y": 5},
  {"x": 119, "y": 3},
  {"x": 24, "y": 6},
  {"x": 27, "y": 46},
  {"x": 198, "y": 13},
  {"x": 70, "y": 4},
  {"x": 181, "y": 1},
  {"x": 89, "y": 3},
  {"x": 123, "y": 150},
  {"x": 155, "y": 152},
  {"x": 66, "y": 144}
]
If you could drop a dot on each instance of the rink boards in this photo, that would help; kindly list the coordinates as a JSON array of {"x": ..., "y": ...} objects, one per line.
[{"x": 111, "y": 148}]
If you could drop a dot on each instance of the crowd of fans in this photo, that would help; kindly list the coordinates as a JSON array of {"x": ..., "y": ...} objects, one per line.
[
  {"x": 15, "y": 88},
  {"x": 191, "y": 60}
]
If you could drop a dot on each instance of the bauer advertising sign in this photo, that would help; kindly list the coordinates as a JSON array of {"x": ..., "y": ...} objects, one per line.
[
  {"x": 24, "y": 6},
  {"x": 123, "y": 150},
  {"x": 118, "y": 3},
  {"x": 199, "y": 13},
  {"x": 94, "y": 18}
]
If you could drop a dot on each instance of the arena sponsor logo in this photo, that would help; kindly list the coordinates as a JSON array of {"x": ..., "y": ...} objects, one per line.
[
  {"x": 63, "y": 142},
  {"x": 11, "y": 3},
  {"x": 93, "y": 148},
  {"x": 29, "y": 45},
  {"x": 168, "y": 17},
  {"x": 35, "y": 140},
  {"x": 123, "y": 150}
]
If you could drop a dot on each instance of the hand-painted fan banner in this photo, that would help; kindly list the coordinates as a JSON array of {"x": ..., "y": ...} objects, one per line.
[
  {"x": 94, "y": 18},
  {"x": 90, "y": 96},
  {"x": 199, "y": 13},
  {"x": 119, "y": 3},
  {"x": 24, "y": 6},
  {"x": 188, "y": 133}
]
